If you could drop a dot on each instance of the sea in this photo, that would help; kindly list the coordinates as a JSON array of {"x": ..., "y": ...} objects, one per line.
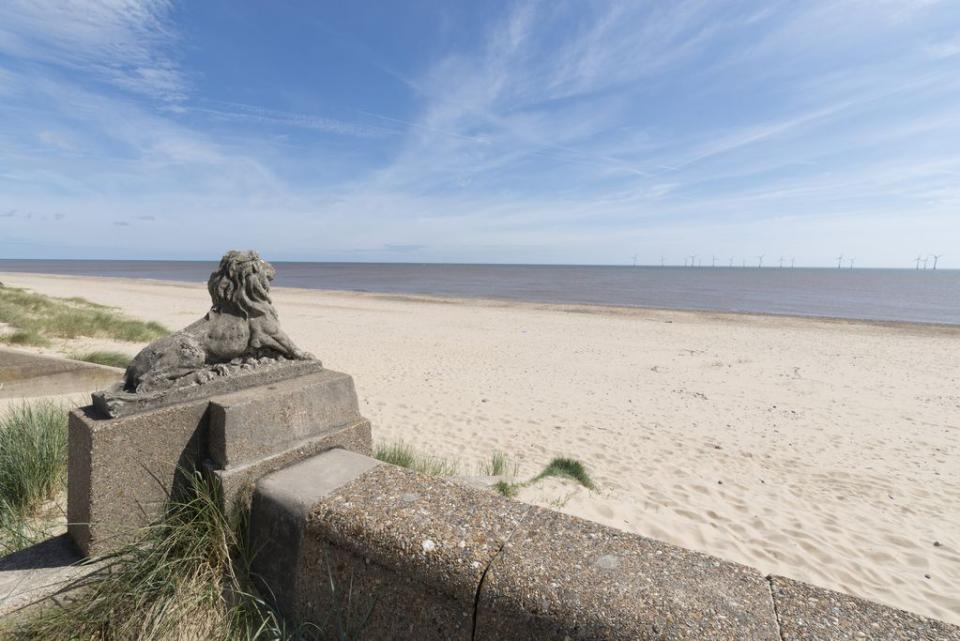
[{"x": 922, "y": 296}]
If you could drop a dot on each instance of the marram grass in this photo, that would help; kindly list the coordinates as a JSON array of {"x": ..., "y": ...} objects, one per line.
[
  {"x": 113, "y": 359},
  {"x": 566, "y": 468},
  {"x": 186, "y": 577},
  {"x": 36, "y": 318},
  {"x": 402, "y": 454},
  {"x": 33, "y": 469}
]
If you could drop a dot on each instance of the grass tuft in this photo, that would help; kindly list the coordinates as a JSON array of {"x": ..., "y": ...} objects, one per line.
[
  {"x": 112, "y": 359},
  {"x": 25, "y": 337},
  {"x": 185, "y": 578},
  {"x": 402, "y": 454},
  {"x": 506, "y": 489},
  {"x": 33, "y": 468},
  {"x": 568, "y": 468},
  {"x": 38, "y": 316},
  {"x": 498, "y": 465}
]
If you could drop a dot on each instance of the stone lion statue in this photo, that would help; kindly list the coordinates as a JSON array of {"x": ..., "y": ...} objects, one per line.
[{"x": 241, "y": 328}]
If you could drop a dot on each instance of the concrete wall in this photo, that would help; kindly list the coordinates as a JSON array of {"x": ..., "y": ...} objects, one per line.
[{"x": 378, "y": 552}]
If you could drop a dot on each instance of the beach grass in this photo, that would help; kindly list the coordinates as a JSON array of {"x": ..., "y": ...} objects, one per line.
[
  {"x": 186, "y": 576},
  {"x": 25, "y": 337},
  {"x": 33, "y": 469},
  {"x": 112, "y": 359},
  {"x": 499, "y": 464},
  {"x": 507, "y": 489},
  {"x": 36, "y": 318},
  {"x": 402, "y": 454},
  {"x": 405, "y": 455},
  {"x": 566, "y": 468}
]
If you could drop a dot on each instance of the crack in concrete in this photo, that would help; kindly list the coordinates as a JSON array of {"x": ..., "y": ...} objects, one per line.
[
  {"x": 773, "y": 603},
  {"x": 483, "y": 576}
]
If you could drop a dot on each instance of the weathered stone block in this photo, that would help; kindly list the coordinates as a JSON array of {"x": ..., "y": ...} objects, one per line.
[
  {"x": 400, "y": 552},
  {"x": 121, "y": 471},
  {"x": 237, "y": 481},
  {"x": 809, "y": 613},
  {"x": 560, "y": 577},
  {"x": 255, "y": 423},
  {"x": 279, "y": 512}
]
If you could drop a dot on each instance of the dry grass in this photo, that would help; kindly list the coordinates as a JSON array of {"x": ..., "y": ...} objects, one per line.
[
  {"x": 36, "y": 318},
  {"x": 113, "y": 359}
]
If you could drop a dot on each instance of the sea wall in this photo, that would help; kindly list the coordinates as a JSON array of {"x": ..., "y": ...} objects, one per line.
[{"x": 373, "y": 551}]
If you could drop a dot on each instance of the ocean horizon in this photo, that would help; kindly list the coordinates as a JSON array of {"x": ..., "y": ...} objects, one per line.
[{"x": 879, "y": 294}]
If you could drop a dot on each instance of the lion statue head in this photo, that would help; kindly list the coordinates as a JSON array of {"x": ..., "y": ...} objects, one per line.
[{"x": 241, "y": 285}]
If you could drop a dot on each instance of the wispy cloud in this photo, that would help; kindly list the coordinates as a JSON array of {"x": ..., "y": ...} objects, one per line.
[
  {"x": 126, "y": 43},
  {"x": 237, "y": 112},
  {"x": 562, "y": 131}
]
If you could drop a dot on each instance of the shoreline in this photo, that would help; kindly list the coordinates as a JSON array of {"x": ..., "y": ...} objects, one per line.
[{"x": 571, "y": 308}]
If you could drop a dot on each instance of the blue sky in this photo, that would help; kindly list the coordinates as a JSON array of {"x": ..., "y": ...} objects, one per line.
[{"x": 544, "y": 132}]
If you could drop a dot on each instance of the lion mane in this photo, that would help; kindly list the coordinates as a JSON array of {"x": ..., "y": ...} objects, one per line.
[{"x": 241, "y": 285}]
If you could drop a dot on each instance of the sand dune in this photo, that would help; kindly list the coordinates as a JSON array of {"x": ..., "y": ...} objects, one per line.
[{"x": 826, "y": 451}]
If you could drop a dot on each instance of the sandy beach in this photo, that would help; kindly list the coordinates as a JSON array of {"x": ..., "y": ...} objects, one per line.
[{"x": 826, "y": 451}]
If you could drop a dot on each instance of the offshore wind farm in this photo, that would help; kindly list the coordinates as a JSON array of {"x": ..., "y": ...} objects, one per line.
[{"x": 752, "y": 286}]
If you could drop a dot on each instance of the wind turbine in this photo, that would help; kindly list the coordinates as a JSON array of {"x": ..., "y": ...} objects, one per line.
[
  {"x": 760, "y": 260},
  {"x": 714, "y": 264},
  {"x": 731, "y": 261},
  {"x": 781, "y": 262},
  {"x": 925, "y": 263},
  {"x": 839, "y": 261},
  {"x": 634, "y": 260},
  {"x": 661, "y": 261},
  {"x": 936, "y": 257},
  {"x": 851, "y": 262},
  {"x": 918, "y": 263},
  {"x": 791, "y": 263},
  {"x": 693, "y": 260}
]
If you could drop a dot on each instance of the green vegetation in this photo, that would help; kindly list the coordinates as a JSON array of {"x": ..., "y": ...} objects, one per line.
[
  {"x": 35, "y": 318},
  {"x": 186, "y": 577},
  {"x": 401, "y": 454},
  {"x": 404, "y": 455},
  {"x": 498, "y": 465},
  {"x": 568, "y": 468},
  {"x": 507, "y": 489},
  {"x": 113, "y": 359},
  {"x": 25, "y": 337},
  {"x": 33, "y": 468}
]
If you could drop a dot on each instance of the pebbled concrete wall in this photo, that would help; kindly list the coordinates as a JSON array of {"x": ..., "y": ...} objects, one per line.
[{"x": 353, "y": 545}]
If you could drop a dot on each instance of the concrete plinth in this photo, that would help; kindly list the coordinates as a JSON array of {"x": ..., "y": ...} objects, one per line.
[
  {"x": 123, "y": 470},
  {"x": 252, "y": 424}
]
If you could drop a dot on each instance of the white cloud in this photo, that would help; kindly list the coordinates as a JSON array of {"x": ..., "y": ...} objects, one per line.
[
  {"x": 57, "y": 139},
  {"x": 122, "y": 42},
  {"x": 238, "y": 112},
  {"x": 944, "y": 49}
]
